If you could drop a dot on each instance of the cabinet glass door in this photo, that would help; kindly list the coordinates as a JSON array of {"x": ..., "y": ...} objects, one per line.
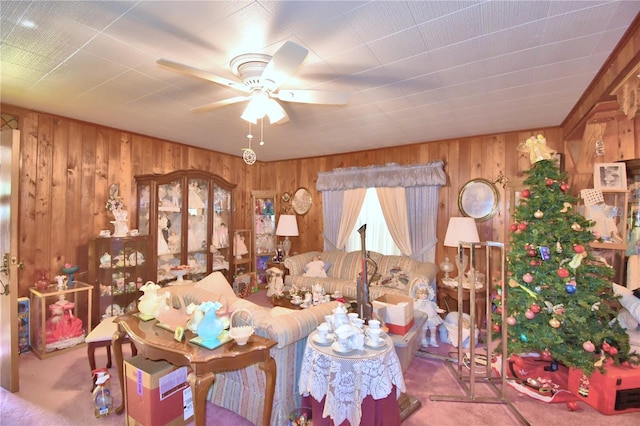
[
  {"x": 169, "y": 229},
  {"x": 197, "y": 222},
  {"x": 220, "y": 240},
  {"x": 144, "y": 203}
]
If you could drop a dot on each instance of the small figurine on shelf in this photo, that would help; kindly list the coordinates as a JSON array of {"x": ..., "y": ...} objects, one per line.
[
  {"x": 62, "y": 282},
  {"x": 239, "y": 246}
]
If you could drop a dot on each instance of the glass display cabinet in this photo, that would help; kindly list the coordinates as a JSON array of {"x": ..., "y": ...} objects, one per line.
[
  {"x": 610, "y": 222},
  {"x": 264, "y": 230},
  {"x": 118, "y": 267},
  {"x": 60, "y": 317},
  {"x": 188, "y": 217}
]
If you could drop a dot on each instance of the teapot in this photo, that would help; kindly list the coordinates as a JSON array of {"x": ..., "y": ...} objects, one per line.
[
  {"x": 340, "y": 316},
  {"x": 150, "y": 301}
]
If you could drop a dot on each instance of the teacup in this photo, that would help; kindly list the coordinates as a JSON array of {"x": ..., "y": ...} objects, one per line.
[
  {"x": 296, "y": 299},
  {"x": 374, "y": 323},
  {"x": 323, "y": 332},
  {"x": 374, "y": 335},
  {"x": 337, "y": 294}
]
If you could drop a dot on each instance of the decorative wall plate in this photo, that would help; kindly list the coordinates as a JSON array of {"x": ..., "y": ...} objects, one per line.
[
  {"x": 301, "y": 201},
  {"x": 478, "y": 199}
]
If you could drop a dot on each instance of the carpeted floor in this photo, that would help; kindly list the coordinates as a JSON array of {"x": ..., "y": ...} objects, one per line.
[{"x": 55, "y": 391}]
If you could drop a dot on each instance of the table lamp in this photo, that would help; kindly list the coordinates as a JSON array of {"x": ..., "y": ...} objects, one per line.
[
  {"x": 461, "y": 229},
  {"x": 287, "y": 227}
]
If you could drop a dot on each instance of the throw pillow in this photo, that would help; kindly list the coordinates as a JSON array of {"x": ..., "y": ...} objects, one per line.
[{"x": 397, "y": 278}]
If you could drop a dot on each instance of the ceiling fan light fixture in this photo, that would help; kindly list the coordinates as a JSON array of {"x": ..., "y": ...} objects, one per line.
[{"x": 275, "y": 112}]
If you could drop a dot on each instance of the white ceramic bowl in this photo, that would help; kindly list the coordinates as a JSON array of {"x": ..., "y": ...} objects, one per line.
[{"x": 241, "y": 334}]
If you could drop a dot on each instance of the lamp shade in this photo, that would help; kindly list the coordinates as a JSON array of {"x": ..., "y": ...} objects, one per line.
[
  {"x": 461, "y": 229},
  {"x": 287, "y": 226}
]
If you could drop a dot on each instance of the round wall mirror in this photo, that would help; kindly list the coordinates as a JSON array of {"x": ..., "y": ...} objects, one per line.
[
  {"x": 478, "y": 199},
  {"x": 301, "y": 201}
]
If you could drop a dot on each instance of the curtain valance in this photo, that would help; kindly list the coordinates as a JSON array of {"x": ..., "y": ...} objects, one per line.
[{"x": 389, "y": 175}]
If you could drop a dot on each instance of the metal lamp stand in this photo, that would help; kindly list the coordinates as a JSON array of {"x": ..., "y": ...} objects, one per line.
[{"x": 468, "y": 381}]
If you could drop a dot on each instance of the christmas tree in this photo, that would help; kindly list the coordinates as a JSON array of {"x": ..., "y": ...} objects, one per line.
[{"x": 560, "y": 299}]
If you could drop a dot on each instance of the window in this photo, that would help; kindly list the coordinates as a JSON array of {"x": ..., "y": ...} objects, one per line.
[{"x": 378, "y": 238}]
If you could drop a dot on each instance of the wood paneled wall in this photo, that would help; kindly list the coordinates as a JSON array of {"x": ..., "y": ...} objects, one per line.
[{"x": 67, "y": 166}]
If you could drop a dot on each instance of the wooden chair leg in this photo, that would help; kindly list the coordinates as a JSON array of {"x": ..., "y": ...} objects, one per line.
[{"x": 109, "y": 356}]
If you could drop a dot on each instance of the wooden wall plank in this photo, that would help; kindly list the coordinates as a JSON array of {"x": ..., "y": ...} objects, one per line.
[
  {"x": 58, "y": 192},
  {"x": 43, "y": 212}
]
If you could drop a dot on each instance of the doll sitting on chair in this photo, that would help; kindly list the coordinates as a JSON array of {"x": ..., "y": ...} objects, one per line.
[{"x": 423, "y": 300}]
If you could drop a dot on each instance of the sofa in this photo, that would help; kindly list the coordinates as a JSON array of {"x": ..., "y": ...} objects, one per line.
[
  {"x": 395, "y": 274},
  {"x": 242, "y": 391}
]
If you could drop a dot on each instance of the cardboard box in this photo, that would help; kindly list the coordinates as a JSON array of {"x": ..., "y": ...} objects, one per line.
[
  {"x": 406, "y": 346},
  {"x": 615, "y": 392},
  {"x": 156, "y": 393},
  {"x": 398, "y": 315}
]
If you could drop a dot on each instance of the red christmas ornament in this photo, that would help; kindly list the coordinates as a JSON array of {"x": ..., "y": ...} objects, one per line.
[
  {"x": 563, "y": 273},
  {"x": 572, "y": 405},
  {"x": 525, "y": 193},
  {"x": 531, "y": 253},
  {"x": 527, "y": 278},
  {"x": 549, "y": 181},
  {"x": 535, "y": 308},
  {"x": 606, "y": 346},
  {"x": 564, "y": 187},
  {"x": 513, "y": 227},
  {"x": 613, "y": 350},
  {"x": 578, "y": 248},
  {"x": 499, "y": 310},
  {"x": 522, "y": 226},
  {"x": 533, "y": 262},
  {"x": 511, "y": 321},
  {"x": 529, "y": 314},
  {"x": 496, "y": 328}
]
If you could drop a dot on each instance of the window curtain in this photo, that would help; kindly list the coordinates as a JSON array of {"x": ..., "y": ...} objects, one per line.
[
  {"x": 394, "y": 210},
  {"x": 353, "y": 199},
  {"x": 423, "y": 180}
]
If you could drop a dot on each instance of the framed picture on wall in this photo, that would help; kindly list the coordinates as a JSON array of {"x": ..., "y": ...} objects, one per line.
[{"x": 610, "y": 176}]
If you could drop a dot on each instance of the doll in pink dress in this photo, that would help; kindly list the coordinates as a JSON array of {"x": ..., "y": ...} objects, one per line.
[{"x": 62, "y": 324}]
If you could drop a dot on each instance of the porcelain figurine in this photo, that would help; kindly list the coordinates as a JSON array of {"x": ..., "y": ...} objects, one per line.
[
  {"x": 210, "y": 326},
  {"x": 150, "y": 300}
]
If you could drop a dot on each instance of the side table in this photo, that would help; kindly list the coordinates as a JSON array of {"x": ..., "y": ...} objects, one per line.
[
  {"x": 448, "y": 298},
  {"x": 156, "y": 343},
  {"x": 361, "y": 387}
]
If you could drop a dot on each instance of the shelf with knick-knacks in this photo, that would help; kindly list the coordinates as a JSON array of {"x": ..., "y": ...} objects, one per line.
[
  {"x": 188, "y": 217},
  {"x": 264, "y": 231},
  {"x": 118, "y": 267},
  {"x": 242, "y": 251}
]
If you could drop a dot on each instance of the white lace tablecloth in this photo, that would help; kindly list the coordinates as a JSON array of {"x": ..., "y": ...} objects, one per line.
[{"x": 347, "y": 379}]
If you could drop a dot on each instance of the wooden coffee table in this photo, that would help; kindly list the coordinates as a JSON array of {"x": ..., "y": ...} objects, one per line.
[
  {"x": 156, "y": 343},
  {"x": 284, "y": 301}
]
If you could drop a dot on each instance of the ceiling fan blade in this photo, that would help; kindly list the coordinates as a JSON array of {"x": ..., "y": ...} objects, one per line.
[
  {"x": 283, "y": 64},
  {"x": 313, "y": 97},
  {"x": 218, "y": 104},
  {"x": 204, "y": 75}
]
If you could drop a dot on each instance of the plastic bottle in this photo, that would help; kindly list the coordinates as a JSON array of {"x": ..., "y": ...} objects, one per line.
[{"x": 102, "y": 394}]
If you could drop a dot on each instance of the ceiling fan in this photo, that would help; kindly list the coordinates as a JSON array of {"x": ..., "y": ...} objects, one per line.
[{"x": 260, "y": 78}]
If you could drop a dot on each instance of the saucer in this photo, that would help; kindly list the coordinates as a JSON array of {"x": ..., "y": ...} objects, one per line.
[
  {"x": 338, "y": 349},
  {"x": 317, "y": 341},
  {"x": 374, "y": 345}
]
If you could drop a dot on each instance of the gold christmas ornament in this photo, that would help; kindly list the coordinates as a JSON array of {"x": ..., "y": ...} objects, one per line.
[
  {"x": 538, "y": 214},
  {"x": 566, "y": 207},
  {"x": 576, "y": 226}
]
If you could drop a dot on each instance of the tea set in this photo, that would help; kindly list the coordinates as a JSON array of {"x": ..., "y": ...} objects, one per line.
[{"x": 346, "y": 332}]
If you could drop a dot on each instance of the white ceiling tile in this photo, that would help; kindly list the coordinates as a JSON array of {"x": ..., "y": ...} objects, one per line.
[{"x": 412, "y": 68}]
